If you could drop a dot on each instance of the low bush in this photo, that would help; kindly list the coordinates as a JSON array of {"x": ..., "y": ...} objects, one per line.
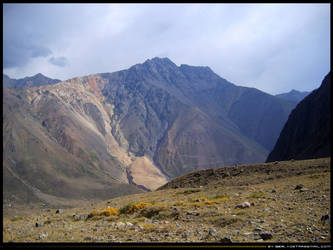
[
  {"x": 16, "y": 218},
  {"x": 132, "y": 208},
  {"x": 189, "y": 191},
  {"x": 257, "y": 195},
  {"x": 110, "y": 211}
]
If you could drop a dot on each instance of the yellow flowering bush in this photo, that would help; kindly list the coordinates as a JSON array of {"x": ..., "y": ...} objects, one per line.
[
  {"x": 130, "y": 209},
  {"x": 109, "y": 211}
]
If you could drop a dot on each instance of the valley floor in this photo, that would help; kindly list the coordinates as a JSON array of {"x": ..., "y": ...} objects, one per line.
[{"x": 291, "y": 208}]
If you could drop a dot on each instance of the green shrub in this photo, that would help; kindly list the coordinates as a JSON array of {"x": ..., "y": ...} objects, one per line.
[
  {"x": 93, "y": 156},
  {"x": 150, "y": 212},
  {"x": 257, "y": 195},
  {"x": 16, "y": 218},
  {"x": 131, "y": 208},
  {"x": 125, "y": 208},
  {"x": 314, "y": 176},
  {"x": 189, "y": 191}
]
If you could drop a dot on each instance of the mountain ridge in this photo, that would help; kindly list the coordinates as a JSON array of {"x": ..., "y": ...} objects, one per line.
[
  {"x": 154, "y": 117},
  {"x": 294, "y": 95},
  {"x": 27, "y": 82}
]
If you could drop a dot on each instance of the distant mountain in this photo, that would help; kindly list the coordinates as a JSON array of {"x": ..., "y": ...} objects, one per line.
[
  {"x": 294, "y": 95},
  {"x": 27, "y": 82},
  {"x": 132, "y": 130},
  {"x": 307, "y": 133}
]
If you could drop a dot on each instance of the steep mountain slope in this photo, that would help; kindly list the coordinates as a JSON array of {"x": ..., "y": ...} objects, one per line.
[
  {"x": 307, "y": 133},
  {"x": 160, "y": 117},
  {"x": 27, "y": 82},
  {"x": 245, "y": 111},
  {"x": 294, "y": 95},
  {"x": 7, "y": 82},
  {"x": 110, "y": 134},
  {"x": 53, "y": 152}
]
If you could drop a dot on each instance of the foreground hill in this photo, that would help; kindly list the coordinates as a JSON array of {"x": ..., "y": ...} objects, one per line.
[
  {"x": 270, "y": 202},
  {"x": 307, "y": 133},
  {"x": 28, "y": 82},
  {"x": 110, "y": 134}
]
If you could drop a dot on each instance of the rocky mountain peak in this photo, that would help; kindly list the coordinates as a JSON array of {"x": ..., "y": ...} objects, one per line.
[
  {"x": 158, "y": 64},
  {"x": 293, "y": 95},
  {"x": 160, "y": 60},
  {"x": 40, "y": 75}
]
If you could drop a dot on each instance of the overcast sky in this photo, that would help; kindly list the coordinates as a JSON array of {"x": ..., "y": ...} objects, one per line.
[{"x": 272, "y": 47}]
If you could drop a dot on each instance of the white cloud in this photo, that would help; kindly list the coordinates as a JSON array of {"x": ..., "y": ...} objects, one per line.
[{"x": 274, "y": 47}]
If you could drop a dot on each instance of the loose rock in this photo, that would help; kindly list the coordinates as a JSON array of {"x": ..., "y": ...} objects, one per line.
[
  {"x": 128, "y": 224},
  {"x": 266, "y": 235},
  {"x": 112, "y": 238},
  {"x": 243, "y": 205},
  {"x": 120, "y": 224},
  {"x": 212, "y": 232},
  {"x": 324, "y": 218},
  {"x": 43, "y": 235},
  {"x": 59, "y": 211},
  {"x": 226, "y": 239},
  {"x": 196, "y": 213},
  {"x": 39, "y": 224}
]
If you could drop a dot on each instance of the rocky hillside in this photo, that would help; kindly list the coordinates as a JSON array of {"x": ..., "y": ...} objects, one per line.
[
  {"x": 27, "y": 82},
  {"x": 54, "y": 153},
  {"x": 270, "y": 202},
  {"x": 307, "y": 133},
  {"x": 294, "y": 95},
  {"x": 111, "y": 134}
]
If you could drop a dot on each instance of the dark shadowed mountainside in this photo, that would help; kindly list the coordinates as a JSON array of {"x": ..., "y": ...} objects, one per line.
[{"x": 307, "y": 133}]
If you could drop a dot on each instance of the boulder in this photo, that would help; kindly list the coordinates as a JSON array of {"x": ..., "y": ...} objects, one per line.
[
  {"x": 59, "y": 211},
  {"x": 266, "y": 235},
  {"x": 243, "y": 205},
  {"x": 226, "y": 239}
]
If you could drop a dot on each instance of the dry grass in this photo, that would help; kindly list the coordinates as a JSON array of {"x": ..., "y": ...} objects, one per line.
[{"x": 165, "y": 215}]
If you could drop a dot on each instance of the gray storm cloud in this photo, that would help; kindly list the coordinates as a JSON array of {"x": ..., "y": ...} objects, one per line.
[
  {"x": 273, "y": 47},
  {"x": 17, "y": 54},
  {"x": 59, "y": 61}
]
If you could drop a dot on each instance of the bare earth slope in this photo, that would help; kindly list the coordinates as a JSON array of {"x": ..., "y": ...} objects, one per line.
[
  {"x": 287, "y": 202},
  {"x": 54, "y": 152}
]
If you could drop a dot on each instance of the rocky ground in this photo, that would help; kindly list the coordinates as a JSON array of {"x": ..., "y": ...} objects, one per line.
[{"x": 289, "y": 208}]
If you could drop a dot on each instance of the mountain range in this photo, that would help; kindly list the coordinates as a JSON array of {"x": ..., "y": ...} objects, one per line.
[
  {"x": 111, "y": 134},
  {"x": 294, "y": 95},
  {"x": 27, "y": 82}
]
